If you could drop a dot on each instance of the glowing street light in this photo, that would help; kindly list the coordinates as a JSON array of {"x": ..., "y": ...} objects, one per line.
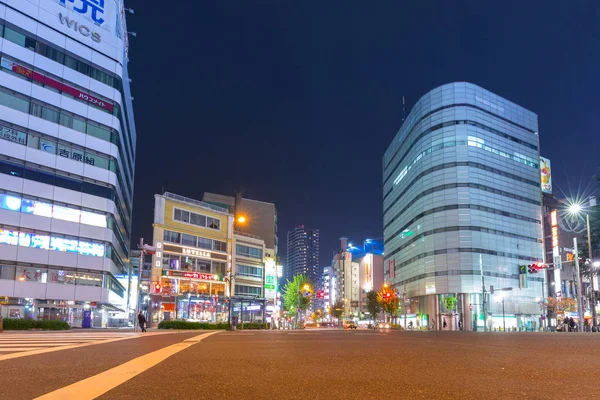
[
  {"x": 575, "y": 208},
  {"x": 241, "y": 219}
]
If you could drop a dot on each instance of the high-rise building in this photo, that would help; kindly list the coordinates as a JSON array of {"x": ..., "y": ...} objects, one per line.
[
  {"x": 67, "y": 155},
  {"x": 354, "y": 274},
  {"x": 302, "y": 253},
  {"x": 462, "y": 211}
]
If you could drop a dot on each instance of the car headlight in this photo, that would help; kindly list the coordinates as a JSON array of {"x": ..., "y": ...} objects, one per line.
[{"x": 387, "y": 325}]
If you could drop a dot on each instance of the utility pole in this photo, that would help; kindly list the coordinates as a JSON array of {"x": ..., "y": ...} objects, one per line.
[
  {"x": 579, "y": 296},
  {"x": 592, "y": 297},
  {"x": 485, "y": 327},
  {"x": 144, "y": 249},
  {"x": 404, "y": 304}
]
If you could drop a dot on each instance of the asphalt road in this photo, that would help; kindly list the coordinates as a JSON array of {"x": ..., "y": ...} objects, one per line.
[{"x": 327, "y": 364}]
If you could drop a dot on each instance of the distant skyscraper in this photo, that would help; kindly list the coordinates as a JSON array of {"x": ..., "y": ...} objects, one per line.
[{"x": 303, "y": 253}]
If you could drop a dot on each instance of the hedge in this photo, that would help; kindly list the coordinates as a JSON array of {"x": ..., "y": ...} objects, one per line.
[
  {"x": 206, "y": 325},
  {"x": 191, "y": 325},
  {"x": 23, "y": 324}
]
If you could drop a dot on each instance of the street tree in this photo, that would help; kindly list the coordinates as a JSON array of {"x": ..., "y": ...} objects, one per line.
[
  {"x": 389, "y": 301},
  {"x": 561, "y": 306},
  {"x": 373, "y": 304},
  {"x": 336, "y": 310},
  {"x": 294, "y": 294}
]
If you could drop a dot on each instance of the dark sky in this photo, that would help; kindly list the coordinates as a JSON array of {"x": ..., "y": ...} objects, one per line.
[{"x": 295, "y": 101}]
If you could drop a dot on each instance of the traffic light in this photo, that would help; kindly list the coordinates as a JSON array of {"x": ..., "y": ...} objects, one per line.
[
  {"x": 157, "y": 287},
  {"x": 535, "y": 268}
]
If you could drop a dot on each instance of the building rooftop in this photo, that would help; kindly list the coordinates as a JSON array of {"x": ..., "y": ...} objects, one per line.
[{"x": 194, "y": 202}]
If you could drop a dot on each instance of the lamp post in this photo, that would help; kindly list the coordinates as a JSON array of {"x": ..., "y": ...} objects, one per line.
[
  {"x": 503, "y": 297},
  {"x": 576, "y": 209},
  {"x": 241, "y": 220}
]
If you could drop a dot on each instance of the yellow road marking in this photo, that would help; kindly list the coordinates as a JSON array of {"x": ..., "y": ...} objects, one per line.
[{"x": 101, "y": 383}]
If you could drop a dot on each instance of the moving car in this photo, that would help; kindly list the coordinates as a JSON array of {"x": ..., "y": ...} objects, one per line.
[{"x": 350, "y": 325}]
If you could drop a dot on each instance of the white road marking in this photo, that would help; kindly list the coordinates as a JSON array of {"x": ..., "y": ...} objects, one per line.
[
  {"x": 101, "y": 383},
  {"x": 18, "y": 349},
  {"x": 31, "y": 344}
]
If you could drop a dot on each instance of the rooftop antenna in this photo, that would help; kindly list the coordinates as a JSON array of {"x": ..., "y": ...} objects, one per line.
[{"x": 403, "y": 109}]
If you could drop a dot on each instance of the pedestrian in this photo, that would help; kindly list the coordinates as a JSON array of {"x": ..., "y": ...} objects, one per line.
[
  {"x": 460, "y": 325},
  {"x": 572, "y": 324},
  {"x": 142, "y": 321},
  {"x": 445, "y": 324}
]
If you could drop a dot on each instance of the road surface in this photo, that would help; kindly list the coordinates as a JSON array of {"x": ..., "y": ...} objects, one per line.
[{"x": 307, "y": 364}]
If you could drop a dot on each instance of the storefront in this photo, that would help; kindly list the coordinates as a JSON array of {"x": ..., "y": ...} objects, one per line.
[{"x": 191, "y": 296}]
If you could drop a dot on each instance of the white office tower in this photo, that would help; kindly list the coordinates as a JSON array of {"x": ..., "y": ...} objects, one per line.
[{"x": 67, "y": 154}]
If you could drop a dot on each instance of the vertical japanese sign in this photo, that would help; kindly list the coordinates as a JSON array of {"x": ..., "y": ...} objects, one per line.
[
  {"x": 270, "y": 280},
  {"x": 555, "y": 251},
  {"x": 545, "y": 175}
]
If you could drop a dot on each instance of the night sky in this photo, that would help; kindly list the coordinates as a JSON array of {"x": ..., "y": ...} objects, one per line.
[{"x": 295, "y": 102}]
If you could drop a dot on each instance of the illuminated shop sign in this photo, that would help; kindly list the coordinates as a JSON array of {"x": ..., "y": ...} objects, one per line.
[
  {"x": 46, "y": 242},
  {"x": 190, "y": 275},
  {"x": 47, "y": 81},
  {"x": 555, "y": 249},
  {"x": 194, "y": 252},
  {"x": 42, "y": 209}
]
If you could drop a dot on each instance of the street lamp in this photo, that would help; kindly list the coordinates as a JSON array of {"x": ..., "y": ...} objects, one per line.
[
  {"x": 237, "y": 220},
  {"x": 575, "y": 209}
]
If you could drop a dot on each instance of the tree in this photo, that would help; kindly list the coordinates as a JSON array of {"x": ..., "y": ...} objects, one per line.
[
  {"x": 317, "y": 315},
  {"x": 389, "y": 301},
  {"x": 560, "y": 306},
  {"x": 337, "y": 309},
  {"x": 290, "y": 294},
  {"x": 373, "y": 305}
]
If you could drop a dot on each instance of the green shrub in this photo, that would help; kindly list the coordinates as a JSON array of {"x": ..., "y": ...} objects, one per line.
[
  {"x": 191, "y": 325},
  {"x": 178, "y": 324},
  {"x": 23, "y": 324}
]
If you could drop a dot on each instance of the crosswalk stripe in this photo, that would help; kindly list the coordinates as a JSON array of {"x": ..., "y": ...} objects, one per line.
[
  {"x": 20, "y": 349},
  {"x": 26, "y": 344},
  {"x": 33, "y": 344}
]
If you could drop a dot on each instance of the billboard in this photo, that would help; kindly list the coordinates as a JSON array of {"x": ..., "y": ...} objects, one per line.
[{"x": 545, "y": 175}]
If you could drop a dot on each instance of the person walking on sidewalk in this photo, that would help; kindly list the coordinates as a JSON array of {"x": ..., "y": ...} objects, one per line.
[{"x": 142, "y": 321}]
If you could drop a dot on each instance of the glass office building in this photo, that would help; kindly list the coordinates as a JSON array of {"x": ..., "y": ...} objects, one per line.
[
  {"x": 462, "y": 210},
  {"x": 67, "y": 155}
]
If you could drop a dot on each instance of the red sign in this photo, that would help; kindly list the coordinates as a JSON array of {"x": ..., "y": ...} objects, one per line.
[
  {"x": 78, "y": 94},
  {"x": 191, "y": 275}
]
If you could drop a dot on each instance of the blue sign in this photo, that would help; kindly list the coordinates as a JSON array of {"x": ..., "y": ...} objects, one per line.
[
  {"x": 87, "y": 319},
  {"x": 95, "y": 7}
]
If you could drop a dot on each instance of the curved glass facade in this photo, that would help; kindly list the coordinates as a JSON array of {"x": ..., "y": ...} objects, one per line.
[{"x": 462, "y": 210}]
